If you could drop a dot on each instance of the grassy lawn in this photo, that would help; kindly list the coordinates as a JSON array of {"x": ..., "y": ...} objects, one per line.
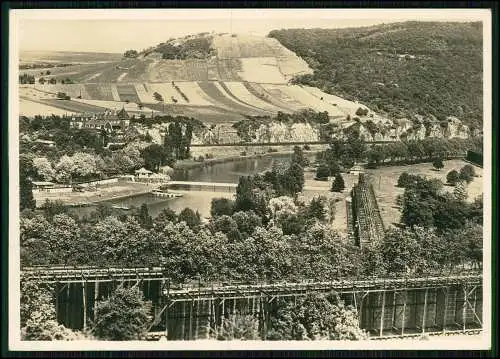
[
  {"x": 384, "y": 181},
  {"x": 340, "y": 221}
]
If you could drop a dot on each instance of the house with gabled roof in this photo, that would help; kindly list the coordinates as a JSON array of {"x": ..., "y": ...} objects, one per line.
[{"x": 109, "y": 121}]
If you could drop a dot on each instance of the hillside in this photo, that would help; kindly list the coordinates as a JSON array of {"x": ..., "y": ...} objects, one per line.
[
  {"x": 222, "y": 57},
  {"x": 400, "y": 70},
  {"x": 225, "y": 78}
]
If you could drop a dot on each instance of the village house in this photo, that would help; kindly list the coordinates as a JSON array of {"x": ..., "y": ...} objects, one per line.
[
  {"x": 109, "y": 121},
  {"x": 42, "y": 185},
  {"x": 143, "y": 173}
]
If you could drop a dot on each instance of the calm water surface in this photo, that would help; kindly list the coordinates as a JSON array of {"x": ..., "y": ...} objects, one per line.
[{"x": 228, "y": 172}]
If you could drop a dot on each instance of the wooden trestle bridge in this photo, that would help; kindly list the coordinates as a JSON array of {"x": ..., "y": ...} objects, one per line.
[{"x": 386, "y": 307}]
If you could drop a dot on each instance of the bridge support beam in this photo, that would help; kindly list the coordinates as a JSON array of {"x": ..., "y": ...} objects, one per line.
[
  {"x": 96, "y": 297},
  {"x": 84, "y": 301},
  {"x": 382, "y": 315},
  {"x": 445, "y": 309},
  {"x": 403, "y": 319},
  {"x": 424, "y": 314}
]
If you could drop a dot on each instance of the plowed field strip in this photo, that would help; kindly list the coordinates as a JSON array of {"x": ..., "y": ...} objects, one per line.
[
  {"x": 127, "y": 93},
  {"x": 264, "y": 95},
  {"x": 28, "y": 107},
  {"x": 73, "y": 106},
  {"x": 72, "y": 90},
  {"x": 277, "y": 92},
  {"x": 196, "y": 95},
  {"x": 242, "y": 92},
  {"x": 226, "y": 88},
  {"x": 99, "y": 92},
  {"x": 213, "y": 92},
  {"x": 142, "y": 93},
  {"x": 308, "y": 99},
  {"x": 207, "y": 114},
  {"x": 114, "y": 93}
]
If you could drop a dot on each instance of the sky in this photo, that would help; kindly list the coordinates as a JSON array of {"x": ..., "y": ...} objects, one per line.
[{"x": 119, "y": 30}]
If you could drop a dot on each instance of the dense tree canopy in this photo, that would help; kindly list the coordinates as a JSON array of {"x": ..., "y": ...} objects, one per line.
[{"x": 402, "y": 69}]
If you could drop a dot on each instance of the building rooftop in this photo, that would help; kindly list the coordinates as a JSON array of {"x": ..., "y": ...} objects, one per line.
[
  {"x": 143, "y": 170},
  {"x": 43, "y": 183}
]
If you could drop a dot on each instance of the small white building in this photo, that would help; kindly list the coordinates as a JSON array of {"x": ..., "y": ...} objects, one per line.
[
  {"x": 47, "y": 143},
  {"x": 143, "y": 173},
  {"x": 356, "y": 170},
  {"x": 41, "y": 186}
]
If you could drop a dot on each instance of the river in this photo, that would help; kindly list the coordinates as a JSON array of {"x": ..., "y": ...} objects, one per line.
[{"x": 228, "y": 172}]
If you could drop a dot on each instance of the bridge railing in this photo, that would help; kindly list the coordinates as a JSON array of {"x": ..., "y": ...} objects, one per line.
[{"x": 60, "y": 273}]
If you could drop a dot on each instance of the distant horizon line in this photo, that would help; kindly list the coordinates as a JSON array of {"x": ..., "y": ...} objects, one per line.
[{"x": 253, "y": 33}]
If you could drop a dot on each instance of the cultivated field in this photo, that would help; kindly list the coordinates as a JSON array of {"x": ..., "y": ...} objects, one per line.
[
  {"x": 343, "y": 106},
  {"x": 214, "y": 91},
  {"x": 239, "y": 90},
  {"x": 309, "y": 100},
  {"x": 248, "y": 76},
  {"x": 277, "y": 91},
  {"x": 130, "y": 107},
  {"x": 31, "y": 108},
  {"x": 67, "y": 57},
  {"x": 261, "y": 69},
  {"x": 73, "y": 106}
]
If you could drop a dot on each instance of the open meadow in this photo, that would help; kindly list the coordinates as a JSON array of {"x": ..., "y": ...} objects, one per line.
[{"x": 385, "y": 179}]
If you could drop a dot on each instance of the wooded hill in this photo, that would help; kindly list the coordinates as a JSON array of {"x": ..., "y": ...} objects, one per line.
[{"x": 400, "y": 69}]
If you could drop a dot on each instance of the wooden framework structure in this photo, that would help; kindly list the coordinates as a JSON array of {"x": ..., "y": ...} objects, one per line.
[
  {"x": 386, "y": 307},
  {"x": 366, "y": 223}
]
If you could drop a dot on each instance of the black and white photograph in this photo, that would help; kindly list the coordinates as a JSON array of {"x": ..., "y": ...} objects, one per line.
[{"x": 186, "y": 179}]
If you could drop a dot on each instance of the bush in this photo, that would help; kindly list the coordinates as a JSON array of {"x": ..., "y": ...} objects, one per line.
[
  {"x": 467, "y": 173},
  {"x": 238, "y": 326},
  {"x": 123, "y": 316},
  {"x": 403, "y": 180},
  {"x": 307, "y": 147},
  {"x": 322, "y": 172},
  {"x": 452, "y": 177},
  {"x": 438, "y": 163},
  {"x": 468, "y": 170},
  {"x": 221, "y": 207}
]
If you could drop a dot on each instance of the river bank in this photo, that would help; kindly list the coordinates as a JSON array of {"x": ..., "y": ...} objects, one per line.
[
  {"x": 218, "y": 155},
  {"x": 103, "y": 193}
]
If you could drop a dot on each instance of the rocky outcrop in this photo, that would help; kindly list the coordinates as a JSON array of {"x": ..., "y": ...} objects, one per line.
[
  {"x": 281, "y": 132},
  {"x": 386, "y": 130}
]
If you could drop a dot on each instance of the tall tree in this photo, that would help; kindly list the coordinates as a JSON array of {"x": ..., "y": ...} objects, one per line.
[
  {"x": 154, "y": 156},
  {"x": 338, "y": 184},
  {"x": 221, "y": 206},
  {"x": 245, "y": 198},
  {"x": 299, "y": 157},
  {"x": 192, "y": 219},
  {"x": 143, "y": 217}
]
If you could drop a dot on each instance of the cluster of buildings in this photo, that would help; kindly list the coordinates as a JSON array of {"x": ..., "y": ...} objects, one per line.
[{"x": 109, "y": 120}]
